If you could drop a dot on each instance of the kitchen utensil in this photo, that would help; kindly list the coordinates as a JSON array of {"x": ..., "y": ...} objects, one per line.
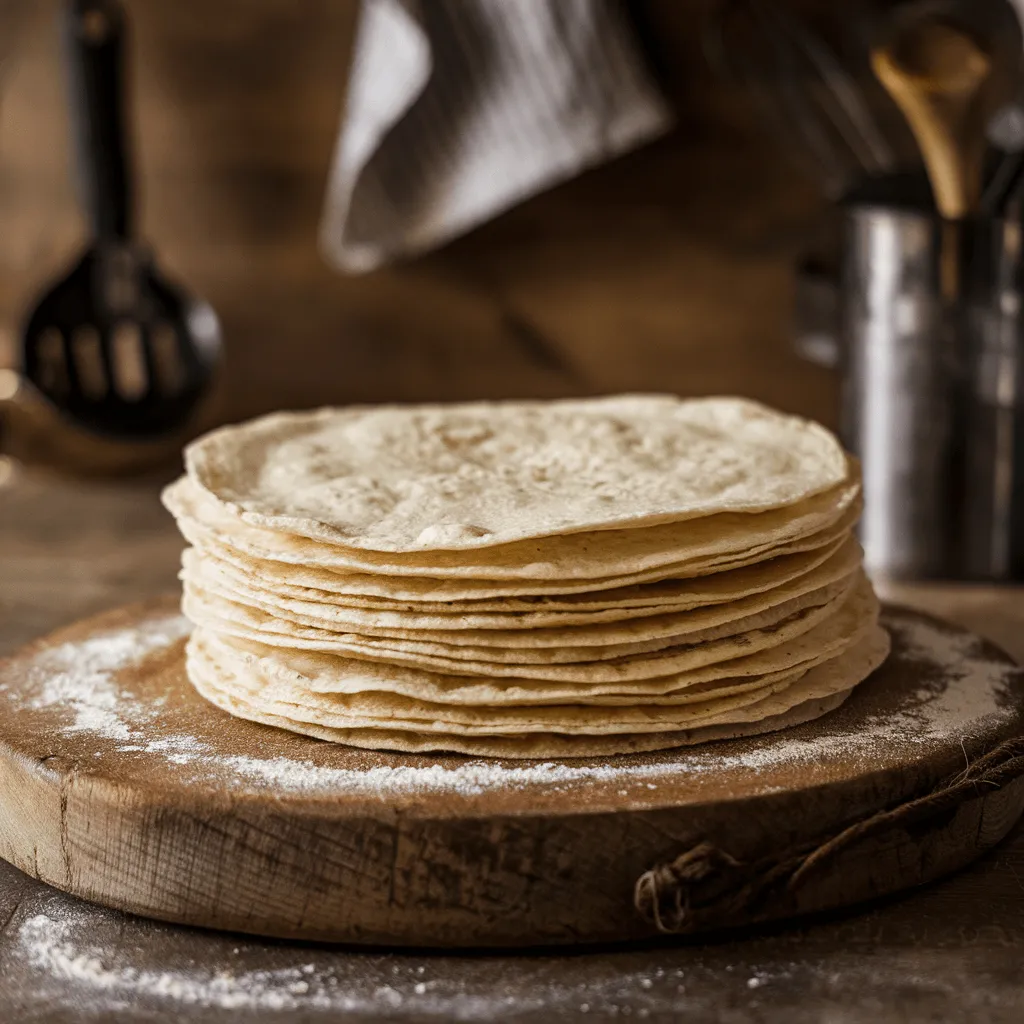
[
  {"x": 805, "y": 94},
  {"x": 933, "y": 393},
  {"x": 115, "y": 346},
  {"x": 898, "y": 353},
  {"x": 936, "y": 73}
]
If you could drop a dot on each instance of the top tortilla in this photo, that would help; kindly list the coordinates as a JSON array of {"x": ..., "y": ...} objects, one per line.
[{"x": 477, "y": 475}]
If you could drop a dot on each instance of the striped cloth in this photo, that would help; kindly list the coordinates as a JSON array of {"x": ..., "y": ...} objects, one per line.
[{"x": 458, "y": 109}]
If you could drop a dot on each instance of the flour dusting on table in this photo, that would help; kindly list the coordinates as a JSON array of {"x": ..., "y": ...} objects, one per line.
[
  {"x": 53, "y": 944},
  {"x": 67, "y": 947}
]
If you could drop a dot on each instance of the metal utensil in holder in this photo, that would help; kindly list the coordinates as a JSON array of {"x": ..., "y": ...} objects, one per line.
[{"x": 933, "y": 386}]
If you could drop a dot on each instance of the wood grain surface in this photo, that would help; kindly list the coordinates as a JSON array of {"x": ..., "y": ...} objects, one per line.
[
  {"x": 950, "y": 953},
  {"x": 119, "y": 783}
]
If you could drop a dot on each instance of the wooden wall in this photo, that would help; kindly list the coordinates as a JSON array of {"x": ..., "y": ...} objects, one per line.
[{"x": 668, "y": 269}]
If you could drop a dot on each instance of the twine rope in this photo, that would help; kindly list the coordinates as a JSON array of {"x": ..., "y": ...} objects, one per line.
[{"x": 705, "y": 882}]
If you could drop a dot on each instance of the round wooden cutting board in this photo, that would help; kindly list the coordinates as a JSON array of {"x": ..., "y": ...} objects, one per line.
[{"x": 120, "y": 784}]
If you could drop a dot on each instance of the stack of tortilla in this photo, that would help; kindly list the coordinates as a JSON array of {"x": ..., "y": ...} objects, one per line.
[{"x": 530, "y": 579}]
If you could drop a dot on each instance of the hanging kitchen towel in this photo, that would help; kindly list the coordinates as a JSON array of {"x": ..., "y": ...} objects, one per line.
[{"x": 458, "y": 109}]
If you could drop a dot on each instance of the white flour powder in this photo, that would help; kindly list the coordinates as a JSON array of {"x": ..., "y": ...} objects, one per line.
[
  {"x": 81, "y": 678},
  {"x": 98, "y": 964},
  {"x": 52, "y": 944},
  {"x": 62, "y": 945}
]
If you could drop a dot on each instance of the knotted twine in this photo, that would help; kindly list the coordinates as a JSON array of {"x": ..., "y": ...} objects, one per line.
[{"x": 706, "y": 884}]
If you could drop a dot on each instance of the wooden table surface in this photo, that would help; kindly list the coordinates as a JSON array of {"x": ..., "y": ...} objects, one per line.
[{"x": 954, "y": 952}]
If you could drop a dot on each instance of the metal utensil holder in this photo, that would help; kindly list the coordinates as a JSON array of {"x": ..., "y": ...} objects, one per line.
[{"x": 929, "y": 338}]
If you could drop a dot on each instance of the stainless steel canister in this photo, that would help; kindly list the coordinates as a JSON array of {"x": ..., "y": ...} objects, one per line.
[
  {"x": 899, "y": 342},
  {"x": 926, "y": 321}
]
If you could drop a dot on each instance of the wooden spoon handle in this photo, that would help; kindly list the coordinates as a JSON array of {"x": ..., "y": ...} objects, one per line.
[{"x": 936, "y": 83}]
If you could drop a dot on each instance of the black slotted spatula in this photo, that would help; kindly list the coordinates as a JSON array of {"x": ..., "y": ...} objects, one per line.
[{"x": 114, "y": 346}]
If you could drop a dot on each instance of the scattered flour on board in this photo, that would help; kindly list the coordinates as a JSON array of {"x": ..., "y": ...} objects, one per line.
[{"x": 81, "y": 677}]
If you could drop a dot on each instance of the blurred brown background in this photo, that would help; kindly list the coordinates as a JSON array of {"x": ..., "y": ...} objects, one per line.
[{"x": 669, "y": 269}]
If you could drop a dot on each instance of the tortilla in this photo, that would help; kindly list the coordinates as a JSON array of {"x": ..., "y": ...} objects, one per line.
[
  {"x": 696, "y": 621},
  {"x": 327, "y": 673},
  {"x": 858, "y": 603},
  {"x": 476, "y": 475},
  {"x": 536, "y": 612},
  {"x": 373, "y": 590},
  {"x": 820, "y": 690},
  {"x": 205, "y": 608}
]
